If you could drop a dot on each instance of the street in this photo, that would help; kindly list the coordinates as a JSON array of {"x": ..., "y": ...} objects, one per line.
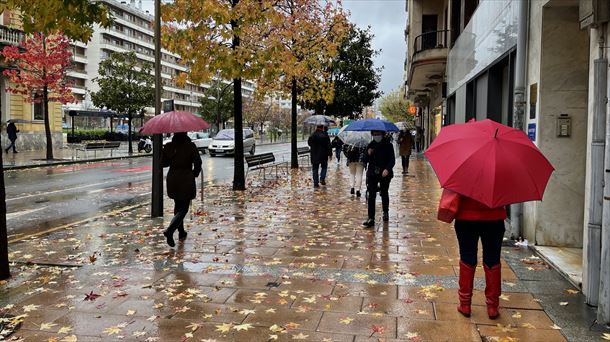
[{"x": 45, "y": 198}]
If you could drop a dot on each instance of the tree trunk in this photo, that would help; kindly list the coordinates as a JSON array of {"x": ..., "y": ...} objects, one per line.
[
  {"x": 129, "y": 139},
  {"x": 5, "y": 272},
  {"x": 239, "y": 177},
  {"x": 294, "y": 157},
  {"x": 47, "y": 125}
]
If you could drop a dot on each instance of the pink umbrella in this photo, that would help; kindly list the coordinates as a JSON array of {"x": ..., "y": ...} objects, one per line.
[{"x": 173, "y": 122}]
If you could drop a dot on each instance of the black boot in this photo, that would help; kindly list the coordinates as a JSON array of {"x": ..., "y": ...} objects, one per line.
[
  {"x": 351, "y": 191},
  {"x": 369, "y": 223},
  {"x": 182, "y": 234},
  {"x": 169, "y": 236},
  {"x": 386, "y": 216},
  {"x": 358, "y": 194}
]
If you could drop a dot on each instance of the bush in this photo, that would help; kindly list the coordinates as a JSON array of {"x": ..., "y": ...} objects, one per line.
[{"x": 98, "y": 134}]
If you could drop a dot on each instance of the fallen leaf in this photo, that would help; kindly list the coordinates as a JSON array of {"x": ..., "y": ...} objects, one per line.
[
  {"x": 563, "y": 303},
  {"x": 91, "y": 296},
  {"x": 346, "y": 320},
  {"x": 606, "y": 336},
  {"x": 243, "y": 327},
  {"x": 47, "y": 326},
  {"x": 224, "y": 327}
]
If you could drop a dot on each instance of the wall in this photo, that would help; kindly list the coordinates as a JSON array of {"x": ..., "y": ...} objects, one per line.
[{"x": 563, "y": 85}]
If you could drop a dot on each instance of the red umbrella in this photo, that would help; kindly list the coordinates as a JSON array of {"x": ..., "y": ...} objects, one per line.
[
  {"x": 173, "y": 122},
  {"x": 489, "y": 162}
]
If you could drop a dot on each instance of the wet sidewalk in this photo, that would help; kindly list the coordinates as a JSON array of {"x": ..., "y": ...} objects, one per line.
[{"x": 279, "y": 262}]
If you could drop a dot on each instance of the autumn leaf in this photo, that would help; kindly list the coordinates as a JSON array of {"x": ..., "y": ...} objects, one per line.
[
  {"x": 346, "y": 320},
  {"x": 47, "y": 326},
  {"x": 243, "y": 327},
  {"x": 224, "y": 327},
  {"x": 92, "y": 258},
  {"x": 91, "y": 296},
  {"x": 606, "y": 336},
  {"x": 71, "y": 338},
  {"x": 30, "y": 307},
  {"x": 505, "y": 329},
  {"x": 115, "y": 330},
  {"x": 412, "y": 336},
  {"x": 64, "y": 330},
  {"x": 377, "y": 329},
  {"x": 300, "y": 336}
]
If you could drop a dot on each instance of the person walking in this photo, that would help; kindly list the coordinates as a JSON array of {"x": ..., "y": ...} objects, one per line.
[
  {"x": 182, "y": 157},
  {"x": 405, "y": 145},
  {"x": 11, "y": 132},
  {"x": 320, "y": 153},
  {"x": 474, "y": 221},
  {"x": 337, "y": 144},
  {"x": 356, "y": 157},
  {"x": 380, "y": 159}
]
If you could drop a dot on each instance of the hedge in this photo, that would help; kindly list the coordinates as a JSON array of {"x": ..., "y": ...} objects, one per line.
[{"x": 97, "y": 134}]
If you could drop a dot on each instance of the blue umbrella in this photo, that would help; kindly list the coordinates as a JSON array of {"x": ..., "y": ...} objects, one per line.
[{"x": 372, "y": 125}]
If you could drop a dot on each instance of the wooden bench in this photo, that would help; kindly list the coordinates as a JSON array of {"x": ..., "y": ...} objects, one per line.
[
  {"x": 262, "y": 162},
  {"x": 100, "y": 146}
]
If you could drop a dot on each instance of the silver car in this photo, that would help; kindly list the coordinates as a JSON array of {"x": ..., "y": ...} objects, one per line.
[{"x": 224, "y": 142}]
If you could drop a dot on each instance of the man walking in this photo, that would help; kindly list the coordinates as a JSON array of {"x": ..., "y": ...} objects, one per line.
[
  {"x": 320, "y": 153},
  {"x": 381, "y": 160},
  {"x": 405, "y": 144},
  {"x": 11, "y": 131}
]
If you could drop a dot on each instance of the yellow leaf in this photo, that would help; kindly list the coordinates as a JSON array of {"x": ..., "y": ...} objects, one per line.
[
  {"x": 112, "y": 330},
  {"x": 606, "y": 336},
  {"x": 517, "y": 314},
  {"x": 71, "y": 338},
  {"x": 47, "y": 326},
  {"x": 411, "y": 335},
  {"x": 346, "y": 320},
  {"x": 300, "y": 336},
  {"x": 131, "y": 312},
  {"x": 243, "y": 327},
  {"x": 224, "y": 327},
  {"x": 64, "y": 330}
]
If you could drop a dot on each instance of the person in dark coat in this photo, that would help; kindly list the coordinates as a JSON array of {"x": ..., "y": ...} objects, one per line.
[
  {"x": 320, "y": 153},
  {"x": 405, "y": 145},
  {"x": 337, "y": 144},
  {"x": 182, "y": 157},
  {"x": 11, "y": 131},
  {"x": 380, "y": 159}
]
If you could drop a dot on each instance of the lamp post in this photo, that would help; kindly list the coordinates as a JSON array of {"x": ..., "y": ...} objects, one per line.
[{"x": 156, "y": 208}]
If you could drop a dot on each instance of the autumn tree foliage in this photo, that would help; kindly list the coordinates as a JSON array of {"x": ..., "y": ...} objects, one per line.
[
  {"x": 42, "y": 63},
  {"x": 230, "y": 38},
  {"x": 309, "y": 34}
]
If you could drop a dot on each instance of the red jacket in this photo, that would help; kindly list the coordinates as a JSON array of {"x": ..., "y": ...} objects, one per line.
[{"x": 460, "y": 207}]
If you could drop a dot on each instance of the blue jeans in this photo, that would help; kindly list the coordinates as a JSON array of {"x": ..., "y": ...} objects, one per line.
[{"x": 315, "y": 168}]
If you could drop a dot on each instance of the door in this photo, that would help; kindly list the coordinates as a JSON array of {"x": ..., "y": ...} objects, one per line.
[{"x": 429, "y": 26}]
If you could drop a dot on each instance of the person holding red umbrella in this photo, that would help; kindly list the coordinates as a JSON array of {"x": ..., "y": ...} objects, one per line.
[{"x": 484, "y": 166}]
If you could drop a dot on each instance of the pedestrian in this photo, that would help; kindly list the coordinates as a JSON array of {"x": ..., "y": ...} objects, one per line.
[
  {"x": 380, "y": 159},
  {"x": 405, "y": 145},
  {"x": 11, "y": 131},
  {"x": 182, "y": 157},
  {"x": 356, "y": 157},
  {"x": 320, "y": 154},
  {"x": 474, "y": 221},
  {"x": 337, "y": 144}
]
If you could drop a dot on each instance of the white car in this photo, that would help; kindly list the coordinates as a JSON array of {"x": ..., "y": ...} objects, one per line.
[
  {"x": 201, "y": 139},
  {"x": 224, "y": 142}
]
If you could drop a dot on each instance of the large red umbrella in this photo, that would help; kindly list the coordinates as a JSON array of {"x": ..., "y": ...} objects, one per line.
[
  {"x": 489, "y": 162},
  {"x": 173, "y": 122}
]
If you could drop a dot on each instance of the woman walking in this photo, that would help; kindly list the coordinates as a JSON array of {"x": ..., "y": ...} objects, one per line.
[
  {"x": 337, "y": 144},
  {"x": 182, "y": 157},
  {"x": 356, "y": 157},
  {"x": 405, "y": 145},
  {"x": 474, "y": 221}
]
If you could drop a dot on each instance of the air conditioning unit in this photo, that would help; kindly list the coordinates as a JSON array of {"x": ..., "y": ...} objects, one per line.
[{"x": 593, "y": 12}]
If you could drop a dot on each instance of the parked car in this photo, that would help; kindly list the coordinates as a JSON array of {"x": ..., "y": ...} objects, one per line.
[
  {"x": 224, "y": 142},
  {"x": 201, "y": 139}
]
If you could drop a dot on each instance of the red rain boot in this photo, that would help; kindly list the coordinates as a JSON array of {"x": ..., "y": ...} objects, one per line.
[
  {"x": 466, "y": 283},
  {"x": 493, "y": 289}
]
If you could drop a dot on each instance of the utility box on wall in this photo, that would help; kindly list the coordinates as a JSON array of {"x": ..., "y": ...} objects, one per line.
[
  {"x": 564, "y": 126},
  {"x": 593, "y": 12}
]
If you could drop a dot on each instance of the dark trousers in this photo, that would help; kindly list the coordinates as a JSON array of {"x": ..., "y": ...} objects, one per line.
[
  {"x": 12, "y": 145},
  {"x": 181, "y": 208},
  {"x": 491, "y": 234},
  {"x": 405, "y": 163},
  {"x": 315, "y": 168},
  {"x": 381, "y": 184},
  {"x": 338, "y": 154}
]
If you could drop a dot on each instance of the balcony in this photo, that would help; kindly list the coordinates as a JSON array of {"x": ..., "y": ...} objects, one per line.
[
  {"x": 428, "y": 61},
  {"x": 9, "y": 36}
]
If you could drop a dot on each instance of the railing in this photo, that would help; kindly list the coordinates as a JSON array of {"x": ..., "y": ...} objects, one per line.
[
  {"x": 431, "y": 40},
  {"x": 9, "y": 36}
]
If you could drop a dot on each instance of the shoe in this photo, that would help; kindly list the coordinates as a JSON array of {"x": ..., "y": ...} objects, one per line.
[
  {"x": 323, "y": 182},
  {"x": 169, "y": 236},
  {"x": 15, "y": 152},
  {"x": 493, "y": 289},
  {"x": 466, "y": 283},
  {"x": 182, "y": 235},
  {"x": 315, "y": 186},
  {"x": 369, "y": 223},
  {"x": 386, "y": 217},
  {"x": 351, "y": 191},
  {"x": 358, "y": 194}
]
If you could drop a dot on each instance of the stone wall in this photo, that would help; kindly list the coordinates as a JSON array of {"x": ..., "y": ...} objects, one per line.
[{"x": 34, "y": 141}]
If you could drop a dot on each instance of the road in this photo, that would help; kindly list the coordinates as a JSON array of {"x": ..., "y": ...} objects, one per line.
[{"x": 44, "y": 198}]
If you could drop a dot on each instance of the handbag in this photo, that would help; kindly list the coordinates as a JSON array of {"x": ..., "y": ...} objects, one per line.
[{"x": 448, "y": 206}]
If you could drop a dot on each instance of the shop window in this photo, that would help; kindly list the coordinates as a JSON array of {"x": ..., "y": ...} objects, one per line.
[{"x": 37, "y": 109}]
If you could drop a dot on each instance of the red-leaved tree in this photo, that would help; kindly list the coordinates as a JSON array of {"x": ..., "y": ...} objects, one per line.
[{"x": 42, "y": 63}]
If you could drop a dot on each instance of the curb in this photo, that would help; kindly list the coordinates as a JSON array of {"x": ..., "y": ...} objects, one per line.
[{"x": 72, "y": 162}]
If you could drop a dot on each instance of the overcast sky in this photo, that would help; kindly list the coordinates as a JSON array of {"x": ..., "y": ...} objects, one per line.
[{"x": 387, "y": 19}]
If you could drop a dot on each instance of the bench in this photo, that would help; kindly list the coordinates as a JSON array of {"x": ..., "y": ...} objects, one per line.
[
  {"x": 261, "y": 162},
  {"x": 100, "y": 146},
  {"x": 303, "y": 152}
]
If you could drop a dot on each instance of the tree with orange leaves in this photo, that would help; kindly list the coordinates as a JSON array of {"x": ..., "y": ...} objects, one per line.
[{"x": 42, "y": 64}]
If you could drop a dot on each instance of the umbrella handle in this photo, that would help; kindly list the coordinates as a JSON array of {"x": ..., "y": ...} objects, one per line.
[{"x": 496, "y": 135}]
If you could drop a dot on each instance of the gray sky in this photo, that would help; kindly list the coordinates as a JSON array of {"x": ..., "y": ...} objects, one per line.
[{"x": 387, "y": 19}]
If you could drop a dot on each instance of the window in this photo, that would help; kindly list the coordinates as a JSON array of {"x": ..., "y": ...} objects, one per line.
[{"x": 37, "y": 110}]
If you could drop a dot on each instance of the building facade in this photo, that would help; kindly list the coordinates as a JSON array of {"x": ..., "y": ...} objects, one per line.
[
  {"x": 540, "y": 66},
  {"x": 13, "y": 107}
]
